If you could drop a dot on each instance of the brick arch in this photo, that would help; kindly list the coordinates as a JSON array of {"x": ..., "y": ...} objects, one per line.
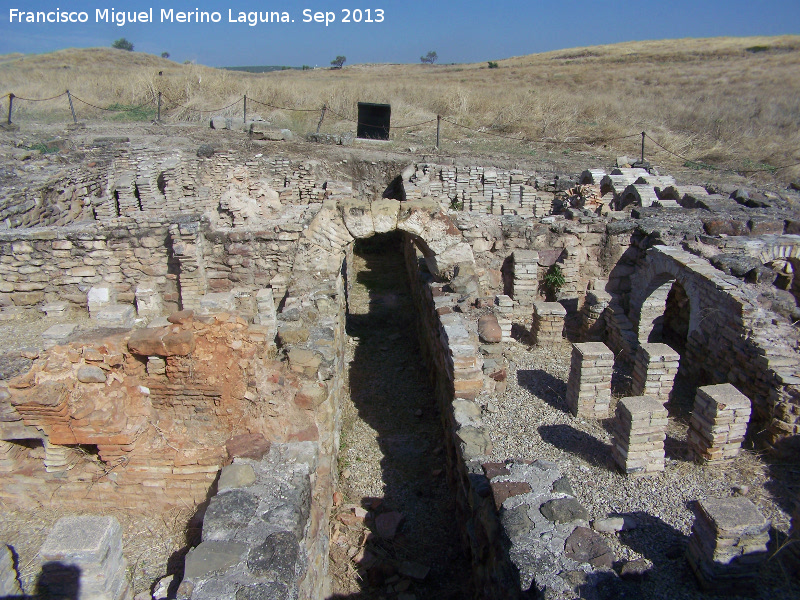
[
  {"x": 649, "y": 301},
  {"x": 781, "y": 250},
  {"x": 787, "y": 250},
  {"x": 338, "y": 224}
]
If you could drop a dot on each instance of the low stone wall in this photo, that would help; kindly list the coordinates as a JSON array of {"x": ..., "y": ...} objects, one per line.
[
  {"x": 260, "y": 531},
  {"x": 516, "y": 543}
]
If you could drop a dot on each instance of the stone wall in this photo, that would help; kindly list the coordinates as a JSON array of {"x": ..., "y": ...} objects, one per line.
[
  {"x": 38, "y": 266},
  {"x": 259, "y": 539}
]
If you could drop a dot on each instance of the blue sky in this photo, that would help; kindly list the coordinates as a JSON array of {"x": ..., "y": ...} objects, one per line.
[{"x": 465, "y": 31}]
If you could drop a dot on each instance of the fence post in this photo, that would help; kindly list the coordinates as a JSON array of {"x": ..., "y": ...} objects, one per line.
[
  {"x": 158, "y": 118},
  {"x": 244, "y": 114},
  {"x": 643, "y": 134},
  {"x": 72, "y": 108},
  {"x": 321, "y": 117},
  {"x": 10, "y": 103},
  {"x": 438, "y": 129}
]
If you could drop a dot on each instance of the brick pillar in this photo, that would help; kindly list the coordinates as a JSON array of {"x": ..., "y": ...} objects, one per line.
[
  {"x": 592, "y": 322},
  {"x": 82, "y": 559},
  {"x": 654, "y": 370},
  {"x": 728, "y": 544},
  {"x": 719, "y": 422},
  {"x": 505, "y": 312},
  {"x": 589, "y": 386},
  {"x": 639, "y": 429},
  {"x": 56, "y": 458},
  {"x": 548, "y": 322},
  {"x": 526, "y": 277}
]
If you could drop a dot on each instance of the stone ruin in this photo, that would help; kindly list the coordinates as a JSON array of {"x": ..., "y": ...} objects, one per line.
[{"x": 217, "y": 288}]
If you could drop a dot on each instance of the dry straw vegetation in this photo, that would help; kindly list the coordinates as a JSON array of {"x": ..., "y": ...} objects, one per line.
[{"x": 725, "y": 102}]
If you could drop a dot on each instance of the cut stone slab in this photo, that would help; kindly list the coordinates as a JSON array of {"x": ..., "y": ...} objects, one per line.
[
  {"x": 91, "y": 374},
  {"x": 503, "y": 490},
  {"x": 236, "y": 476},
  {"x": 248, "y": 445},
  {"x": 211, "y": 556},
  {"x": 58, "y": 333},
  {"x": 587, "y": 546},
  {"x": 84, "y": 539},
  {"x": 121, "y": 316},
  {"x": 55, "y": 309},
  {"x": 564, "y": 510},
  {"x": 217, "y": 302},
  {"x": 734, "y": 517}
]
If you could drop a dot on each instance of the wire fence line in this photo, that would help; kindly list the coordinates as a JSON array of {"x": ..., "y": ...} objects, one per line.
[{"x": 156, "y": 102}]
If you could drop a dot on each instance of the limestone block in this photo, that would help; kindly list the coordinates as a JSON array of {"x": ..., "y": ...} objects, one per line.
[
  {"x": 217, "y": 302},
  {"x": 443, "y": 265},
  {"x": 83, "y": 555},
  {"x": 384, "y": 215},
  {"x": 121, "y": 316},
  {"x": 55, "y": 309},
  {"x": 148, "y": 301},
  {"x": 98, "y": 298},
  {"x": 58, "y": 333},
  {"x": 357, "y": 217}
]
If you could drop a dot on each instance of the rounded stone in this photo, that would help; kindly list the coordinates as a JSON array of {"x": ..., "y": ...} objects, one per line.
[
  {"x": 91, "y": 374},
  {"x": 489, "y": 329}
]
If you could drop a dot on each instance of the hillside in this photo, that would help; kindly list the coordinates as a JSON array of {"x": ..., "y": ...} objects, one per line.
[{"x": 725, "y": 102}]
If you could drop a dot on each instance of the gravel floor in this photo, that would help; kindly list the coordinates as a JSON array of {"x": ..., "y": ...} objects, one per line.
[
  {"x": 530, "y": 420},
  {"x": 391, "y": 454}
]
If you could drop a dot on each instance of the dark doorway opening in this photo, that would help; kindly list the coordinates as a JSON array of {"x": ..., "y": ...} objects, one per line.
[{"x": 373, "y": 121}]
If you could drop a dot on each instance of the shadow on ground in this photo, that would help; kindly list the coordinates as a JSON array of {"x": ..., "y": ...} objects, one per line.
[
  {"x": 571, "y": 440},
  {"x": 544, "y": 386},
  {"x": 390, "y": 388}
]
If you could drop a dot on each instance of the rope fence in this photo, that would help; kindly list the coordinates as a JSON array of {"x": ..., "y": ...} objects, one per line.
[{"x": 156, "y": 102}]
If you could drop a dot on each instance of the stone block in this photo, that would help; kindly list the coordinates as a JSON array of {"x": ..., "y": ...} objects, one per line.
[
  {"x": 121, "y": 316},
  {"x": 58, "y": 333},
  {"x": 84, "y": 555}
]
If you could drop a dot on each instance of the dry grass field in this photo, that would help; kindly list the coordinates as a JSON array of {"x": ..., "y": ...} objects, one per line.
[{"x": 722, "y": 102}]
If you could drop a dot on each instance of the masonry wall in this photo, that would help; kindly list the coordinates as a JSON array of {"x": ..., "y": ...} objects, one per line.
[
  {"x": 731, "y": 339},
  {"x": 39, "y": 266}
]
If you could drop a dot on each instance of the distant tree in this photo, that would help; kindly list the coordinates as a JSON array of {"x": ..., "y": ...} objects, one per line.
[
  {"x": 430, "y": 58},
  {"x": 493, "y": 65},
  {"x": 338, "y": 62},
  {"x": 122, "y": 44},
  {"x": 165, "y": 55}
]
